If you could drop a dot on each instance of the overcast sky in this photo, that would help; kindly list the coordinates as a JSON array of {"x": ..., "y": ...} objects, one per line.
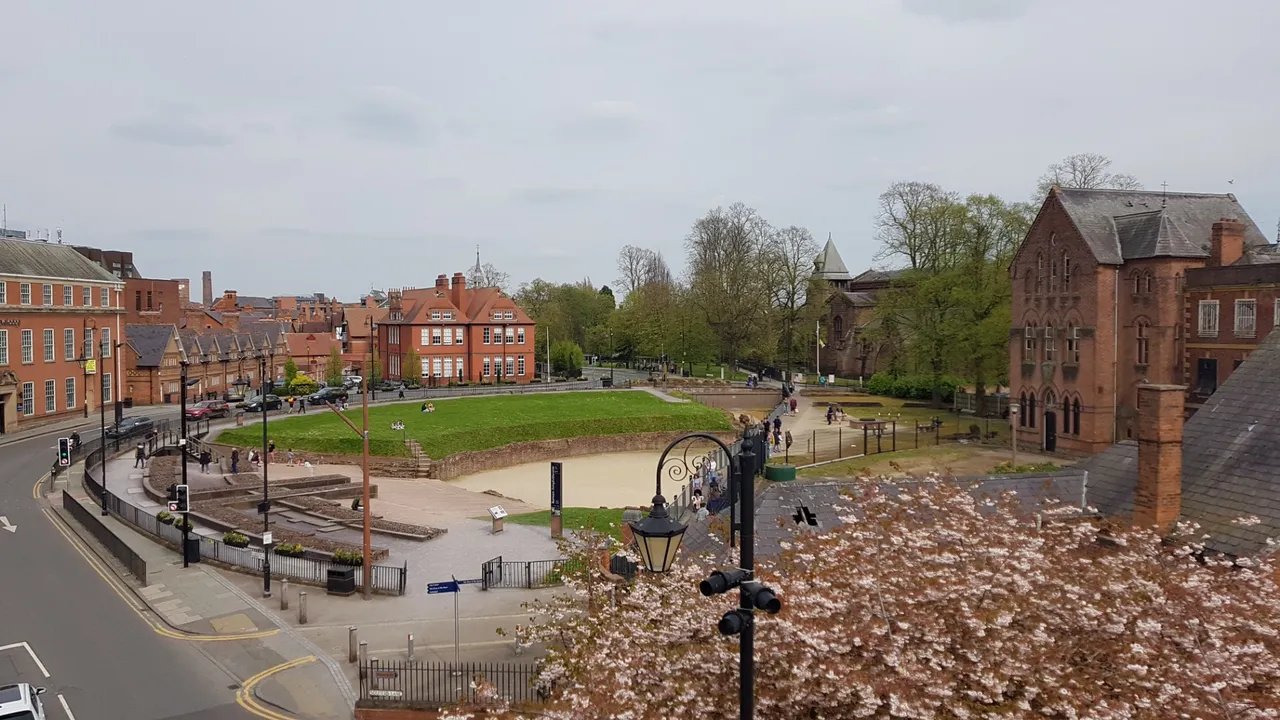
[{"x": 324, "y": 146}]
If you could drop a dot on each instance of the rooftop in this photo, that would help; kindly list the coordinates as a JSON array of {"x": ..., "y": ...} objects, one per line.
[{"x": 37, "y": 259}]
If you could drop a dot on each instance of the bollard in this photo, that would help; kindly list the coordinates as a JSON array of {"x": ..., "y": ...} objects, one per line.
[
  {"x": 302, "y": 608},
  {"x": 364, "y": 654},
  {"x": 410, "y": 647},
  {"x": 352, "y": 645},
  {"x": 284, "y": 594}
]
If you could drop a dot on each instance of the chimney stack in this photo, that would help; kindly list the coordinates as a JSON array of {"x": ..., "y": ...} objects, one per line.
[
  {"x": 442, "y": 283},
  {"x": 457, "y": 290},
  {"x": 1226, "y": 244},
  {"x": 1158, "y": 497},
  {"x": 207, "y": 298}
]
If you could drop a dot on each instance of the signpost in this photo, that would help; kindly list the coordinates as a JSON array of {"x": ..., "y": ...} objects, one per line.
[
  {"x": 557, "y": 499},
  {"x": 497, "y": 513},
  {"x": 450, "y": 587}
]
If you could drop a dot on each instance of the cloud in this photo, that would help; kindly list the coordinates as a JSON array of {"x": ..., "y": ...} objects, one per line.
[
  {"x": 612, "y": 109},
  {"x": 390, "y": 115},
  {"x": 969, "y": 10},
  {"x": 553, "y": 195},
  {"x": 171, "y": 132}
]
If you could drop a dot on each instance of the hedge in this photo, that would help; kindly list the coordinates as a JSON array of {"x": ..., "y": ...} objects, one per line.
[{"x": 913, "y": 387}]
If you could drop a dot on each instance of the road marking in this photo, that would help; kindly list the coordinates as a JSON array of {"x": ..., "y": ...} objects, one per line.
[
  {"x": 4, "y": 523},
  {"x": 124, "y": 593},
  {"x": 246, "y": 700},
  {"x": 30, "y": 652},
  {"x": 66, "y": 708}
]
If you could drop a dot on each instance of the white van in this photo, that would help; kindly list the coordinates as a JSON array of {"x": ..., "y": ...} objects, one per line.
[{"x": 21, "y": 702}]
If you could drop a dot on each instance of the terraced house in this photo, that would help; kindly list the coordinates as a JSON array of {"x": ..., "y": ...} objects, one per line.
[
  {"x": 1099, "y": 305},
  {"x": 60, "y": 324},
  {"x": 223, "y": 364}
]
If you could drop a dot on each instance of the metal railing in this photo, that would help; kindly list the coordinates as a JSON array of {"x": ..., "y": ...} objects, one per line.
[
  {"x": 397, "y": 683},
  {"x": 529, "y": 575},
  {"x": 387, "y": 579}
]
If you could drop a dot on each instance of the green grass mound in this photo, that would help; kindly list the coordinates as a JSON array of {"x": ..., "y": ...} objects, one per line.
[
  {"x": 483, "y": 423},
  {"x": 605, "y": 520}
]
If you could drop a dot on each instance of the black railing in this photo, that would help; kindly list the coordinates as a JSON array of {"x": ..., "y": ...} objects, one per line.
[
  {"x": 529, "y": 575},
  {"x": 400, "y": 682},
  {"x": 387, "y": 579}
]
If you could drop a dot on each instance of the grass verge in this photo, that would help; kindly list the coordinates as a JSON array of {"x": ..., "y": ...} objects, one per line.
[{"x": 606, "y": 520}]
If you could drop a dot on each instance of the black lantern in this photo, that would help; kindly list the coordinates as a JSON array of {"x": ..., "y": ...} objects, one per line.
[{"x": 658, "y": 537}]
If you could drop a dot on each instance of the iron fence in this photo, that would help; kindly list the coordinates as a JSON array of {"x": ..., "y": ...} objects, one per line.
[
  {"x": 405, "y": 682},
  {"x": 387, "y": 579},
  {"x": 528, "y": 575},
  {"x": 858, "y": 437}
]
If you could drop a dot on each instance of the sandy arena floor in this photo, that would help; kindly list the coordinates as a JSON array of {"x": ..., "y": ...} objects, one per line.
[{"x": 608, "y": 480}]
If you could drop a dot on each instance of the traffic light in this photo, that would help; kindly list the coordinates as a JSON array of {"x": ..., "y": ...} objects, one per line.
[
  {"x": 64, "y": 452},
  {"x": 754, "y": 595},
  {"x": 182, "y": 500}
]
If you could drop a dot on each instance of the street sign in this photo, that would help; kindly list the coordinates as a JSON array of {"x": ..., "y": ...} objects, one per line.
[
  {"x": 173, "y": 507},
  {"x": 266, "y": 538},
  {"x": 441, "y": 588},
  {"x": 476, "y": 581},
  {"x": 497, "y": 512},
  {"x": 90, "y": 367},
  {"x": 557, "y": 487}
]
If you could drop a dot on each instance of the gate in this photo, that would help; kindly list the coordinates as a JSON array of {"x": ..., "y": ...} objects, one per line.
[
  {"x": 491, "y": 573},
  {"x": 525, "y": 575}
]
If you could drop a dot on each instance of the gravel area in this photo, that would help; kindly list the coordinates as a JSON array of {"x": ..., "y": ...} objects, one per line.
[{"x": 343, "y": 512}]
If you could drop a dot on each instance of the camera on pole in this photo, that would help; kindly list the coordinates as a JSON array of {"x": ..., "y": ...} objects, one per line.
[{"x": 754, "y": 596}]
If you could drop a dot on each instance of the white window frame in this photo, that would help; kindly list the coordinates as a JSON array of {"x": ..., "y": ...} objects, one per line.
[
  {"x": 104, "y": 296},
  {"x": 105, "y": 339},
  {"x": 4, "y": 347},
  {"x": 447, "y": 372},
  {"x": 487, "y": 336},
  {"x": 69, "y": 392},
  {"x": 435, "y": 314},
  {"x": 459, "y": 369},
  {"x": 435, "y": 336},
  {"x": 47, "y": 337},
  {"x": 488, "y": 367},
  {"x": 520, "y": 367},
  {"x": 4, "y": 293},
  {"x": 1246, "y": 321},
  {"x": 497, "y": 336},
  {"x": 24, "y": 293},
  {"x": 511, "y": 367},
  {"x": 520, "y": 336},
  {"x": 1207, "y": 324},
  {"x": 447, "y": 315},
  {"x": 28, "y": 399},
  {"x": 448, "y": 336},
  {"x": 86, "y": 295},
  {"x": 457, "y": 336},
  {"x": 1050, "y": 344},
  {"x": 88, "y": 343},
  {"x": 28, "y": 351},
  {"x": 106, "y": 387},
  {"x": 50, "y": 396},
  {"x": 68, "y": 295},
  {"x": 509, "y": 316},
  {"x": 46, "y": 295},
  {"x": 426, "y": 337},
  {"x": 435, "y": 367},
  {"x": 69, "y": 344}
]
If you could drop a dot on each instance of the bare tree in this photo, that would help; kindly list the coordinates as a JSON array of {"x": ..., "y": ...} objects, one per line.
[
  {"x": 729, "y": 274},
  {"x": 1086, "y": 171},
  {"x": 638, "y": 267},
  {"x": 791, "y": 251},
  {"x": 485, "y": 276},
  {"x": 915, "y": 223}
]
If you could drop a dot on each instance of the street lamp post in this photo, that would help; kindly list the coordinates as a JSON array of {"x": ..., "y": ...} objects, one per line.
[
  {"x": 265, "y": 508},
  {"x": 182, "y": 448},
  {"x": 613, "y": 357},
  {"x": 1013, "y": 431}
]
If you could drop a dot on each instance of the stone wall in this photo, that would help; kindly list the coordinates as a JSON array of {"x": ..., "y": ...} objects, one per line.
[
  {"x": 736, "y": 398},
  {"x": 469, "y": 463},
  {"x": 379, "y": 466}
]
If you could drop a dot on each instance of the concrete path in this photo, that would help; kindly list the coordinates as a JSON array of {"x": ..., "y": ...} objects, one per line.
[{"x": 663, "y": 395}]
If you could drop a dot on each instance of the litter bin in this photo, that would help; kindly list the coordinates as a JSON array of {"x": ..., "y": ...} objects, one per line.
[
  {"x": 341, "y": 580},
  {"x": 193, "y": 549},
  {"x": 606, "y": 382}
]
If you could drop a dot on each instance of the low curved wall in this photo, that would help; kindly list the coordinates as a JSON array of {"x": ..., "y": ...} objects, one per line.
[{"x": 470, "y": 463}]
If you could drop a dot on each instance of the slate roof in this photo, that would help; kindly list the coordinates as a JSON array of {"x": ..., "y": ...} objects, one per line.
[
  {"x": 149, "y": 341},
  {"x": 778, "y": 505},
  {"x": 1112, "y": 478},
  {"x": 1121, "y": 225},
  {"x": 877, "y": 276},
  {"x": 829, "y": 265},
  {"x": 861, "y": 299},
  {"x": 255, "y": 302},
  {"x": 40, "y": 259}
]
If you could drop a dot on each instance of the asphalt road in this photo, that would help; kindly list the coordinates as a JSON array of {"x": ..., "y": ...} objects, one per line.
[{"x": 100, "y": 657}]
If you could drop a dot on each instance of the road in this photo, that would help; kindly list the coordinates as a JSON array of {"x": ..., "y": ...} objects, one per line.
[{"x": 82, "y": 642}]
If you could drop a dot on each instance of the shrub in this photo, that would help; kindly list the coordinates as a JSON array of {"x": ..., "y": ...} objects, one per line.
[
  {"x": 348, "y": 557},
  {"x": 165, "y": 517},
  {"x": 913, "y": 387},
  {"x": 235, "y": 539},
  {"x": 289, "y": 549},
  {"x": 183, "y": 524}
]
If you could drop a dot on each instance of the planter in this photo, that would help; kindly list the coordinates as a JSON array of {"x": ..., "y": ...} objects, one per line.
[{"x": 780, "y": 473}]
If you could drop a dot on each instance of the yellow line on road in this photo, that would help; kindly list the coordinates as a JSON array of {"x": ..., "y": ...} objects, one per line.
[
  {"x": 35, "y": 490},
  {"x": 246, "y": 700},
  {"x": 121, "y": 590}
]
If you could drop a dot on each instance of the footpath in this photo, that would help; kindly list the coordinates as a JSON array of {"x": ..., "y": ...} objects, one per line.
[{"x": 280, "y": 669}]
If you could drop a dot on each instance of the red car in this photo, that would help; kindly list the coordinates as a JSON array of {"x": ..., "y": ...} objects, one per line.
[{"x": 208, "y": 409}]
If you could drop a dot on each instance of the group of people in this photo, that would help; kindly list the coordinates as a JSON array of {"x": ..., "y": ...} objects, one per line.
[{"x": 301, "y": 403}]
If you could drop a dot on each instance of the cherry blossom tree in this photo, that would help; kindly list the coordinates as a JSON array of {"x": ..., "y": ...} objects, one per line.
[{"x": 934, "y": 601}]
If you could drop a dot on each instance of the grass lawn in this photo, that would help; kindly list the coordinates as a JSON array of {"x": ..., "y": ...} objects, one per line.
[
  {"x": 605, "y": 520},
  {"x": 712, "y": 370},
  {"x": 482, "y": 423}
]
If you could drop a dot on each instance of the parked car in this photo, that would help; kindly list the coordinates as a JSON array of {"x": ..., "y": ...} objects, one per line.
[
  {"x": 387, "y": 386},
  {"x": 255, "y": 403},
  {"x": 21, "y": 702},
  {"x": 327, "y": 395},
  {"x": 207, "y": 409},
  {"x": 351, "y": 382},
  {"x": 130, "y": 426}
]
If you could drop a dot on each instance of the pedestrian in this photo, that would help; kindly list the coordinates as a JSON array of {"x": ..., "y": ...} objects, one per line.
[
  {"x": 831, "y": 414},
  {"x": 292, "y": 400},
  {"x": 777, "y": 423},
  {"x": 288, "y": 457},
  {"x": 206, "y": 457},
  {"x": 235, "y": 460},
  {"x": 271, "y": 451},
  {"x": 793, "y": 405},
  {"x": 302, "y": 406},
  {"x": 401, "y": 391},
  {"x": 777, "y": 439},
  {"x": 140, "y": 457},
  {"x": 697, "y": 485},
  {"x": 253, "y": 457}
]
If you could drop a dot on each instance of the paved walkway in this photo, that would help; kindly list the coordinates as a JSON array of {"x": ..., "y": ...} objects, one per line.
[{"x": 663, "y": 395}]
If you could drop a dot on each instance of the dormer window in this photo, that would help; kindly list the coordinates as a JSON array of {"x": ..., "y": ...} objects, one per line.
[{"x": 435, "y": 314}]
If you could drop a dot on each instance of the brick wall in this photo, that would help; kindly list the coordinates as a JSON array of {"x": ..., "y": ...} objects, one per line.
[
  {"x": 1226, "y": 348},
  {"x": 1157, "y": 499},
  {"x": 461, "y": 464},
  {"x": 736, "y": 398}
]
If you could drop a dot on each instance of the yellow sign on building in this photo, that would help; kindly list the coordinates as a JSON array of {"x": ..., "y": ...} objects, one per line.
[{"x": 90, "y": 367}]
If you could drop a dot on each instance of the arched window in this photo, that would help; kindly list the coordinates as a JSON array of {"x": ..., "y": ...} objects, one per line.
[
  {"x": 1027, "y": 279},
  {"x": 1031, "y": 410},
  {"x": 1136, "y": 278},
  {"x": 1050, "y": 401},
  {"x": 1022, "y": 409},
  {"x": 1075, "y": 416},
  {"x": 1039, "y": 274},
  {"x": 1066, "y": 273},
  {"x": 1143, "y": 354},
  {"x": 1050, "y": 344},
  {"x": 1029, "y": 343},
  {"x": 1147, "y": 283},
  {"x": 1073, "y": 344},
  {"x": 837, "y": 326},
  {"x": 1053, "y": 276}
]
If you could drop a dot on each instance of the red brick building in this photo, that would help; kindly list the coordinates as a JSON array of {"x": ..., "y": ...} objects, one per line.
[
  {"x": 154, "y": 302},
  {"x": 1098, "y": 308},
  {"x": 462, "y": 334},
  {"x": 60, "y": 329},
  {"x": 847, "y": 350}
]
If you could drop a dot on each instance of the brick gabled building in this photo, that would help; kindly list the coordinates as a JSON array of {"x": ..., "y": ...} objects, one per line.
[
  {"x": 462, "y": 334},
  {"x": 847, "y": 351},
  {"x": 1098, "y": 289}
]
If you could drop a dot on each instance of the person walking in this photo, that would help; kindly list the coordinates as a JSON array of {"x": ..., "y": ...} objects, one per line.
[
  {"x": 302, "y": 406},
  {"x": 292, "y": 400},
  {"x": 777, "y": 424},
  {"x": 206, "y": 457},
  {"x": 235, "y": 461},
  {"x": 793, "y": 405},
  {"x": 288, "y": 458},
  {"x": 140, "y": 457},
  {"x": 271, "y": 451}
]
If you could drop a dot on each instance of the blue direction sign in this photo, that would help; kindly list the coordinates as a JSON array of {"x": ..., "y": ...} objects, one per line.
[{"x": 442, "y": 587}]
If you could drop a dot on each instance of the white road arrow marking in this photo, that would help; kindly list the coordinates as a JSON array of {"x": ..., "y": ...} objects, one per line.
[{"x": 4, "y": 523}]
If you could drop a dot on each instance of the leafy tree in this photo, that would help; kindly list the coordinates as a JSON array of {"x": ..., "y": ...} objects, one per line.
[
  {"x": 412, "y": 367},
  {"x": 374, "y": 376},
  {"x": 972, "y": 608},
  {"x": 566, "y": 358},
  {"x": 333, "y": 368},
  {"x": 290, "y": 371},
  {"x": 729, "y": 276},
  {"x": 1084, "y": 170}
]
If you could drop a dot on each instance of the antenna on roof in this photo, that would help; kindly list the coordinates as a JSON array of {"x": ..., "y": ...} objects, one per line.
[{"x": 1164, "y": 194}]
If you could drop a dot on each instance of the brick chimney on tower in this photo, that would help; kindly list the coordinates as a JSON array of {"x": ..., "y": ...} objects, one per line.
[
  {"x": 1158, "y": 497},
  {"x": 457, "y": 290},
  {"x": 1226, "y": 242},
  {"x": 207, "y": 298}
]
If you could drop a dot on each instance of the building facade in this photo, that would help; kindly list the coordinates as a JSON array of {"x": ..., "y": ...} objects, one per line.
[
  {"x": 117, "y": 262},
  {"x": 473, "y": 335},
  {"x": 154, "y": 302},
  {"x": 847, "y": 348},
  {"x": 1098, "y": 309},
  {"x": 60, "y": 333}
]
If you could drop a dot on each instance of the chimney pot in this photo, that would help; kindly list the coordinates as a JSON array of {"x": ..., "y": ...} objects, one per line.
[{"x": 1157, "y": 499}]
